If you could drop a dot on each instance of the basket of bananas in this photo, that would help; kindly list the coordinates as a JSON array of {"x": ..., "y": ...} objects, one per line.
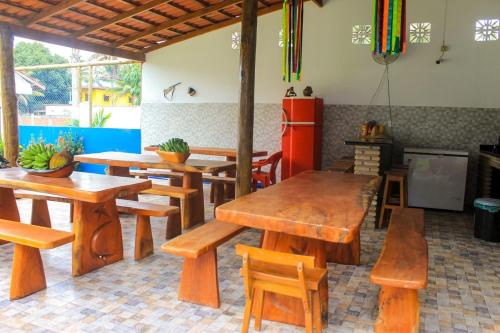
[
  {"x": 174, "y": 150},
  {"x": 45, "y": 160}
]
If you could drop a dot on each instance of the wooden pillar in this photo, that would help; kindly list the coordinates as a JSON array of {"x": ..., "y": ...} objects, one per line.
[
  {"x": 90, "y": 92},
  {"x": 247, "y": 77},
  {"x": 9, "y": 100}
]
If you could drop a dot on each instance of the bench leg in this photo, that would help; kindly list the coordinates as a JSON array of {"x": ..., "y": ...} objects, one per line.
[
  {"x": 143, "y": 238},
  {"x": 398, "y": 310},
  {"x": 28, "y": 276},
  {"x": 212, "y": 189},
  {"x": 40, "y": 214},
  {"x": 8, "y": 207},
  {"x": 195, "y": 211},
  {"x": 174, "y": 226},
  {"x": 218, "y": 195},
  {"x": 199, "y": 283}
]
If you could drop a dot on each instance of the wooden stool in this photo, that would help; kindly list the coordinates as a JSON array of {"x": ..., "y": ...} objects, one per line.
[{"x": 394, "y": 176}]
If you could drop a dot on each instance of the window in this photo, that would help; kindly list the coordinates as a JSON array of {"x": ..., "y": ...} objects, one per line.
[
  {"x": 361, "y": 34},
  {"x": 420, "y": 33},
  {"x": 106, "y": 98},
  {"x": 487, "y": 30},
  {"x": 235, "y": 40}
]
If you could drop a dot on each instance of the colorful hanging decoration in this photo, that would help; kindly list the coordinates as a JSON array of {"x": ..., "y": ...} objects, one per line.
[
  {"x": 389, "y": 27},
  {"x": 293, "y": 26}
]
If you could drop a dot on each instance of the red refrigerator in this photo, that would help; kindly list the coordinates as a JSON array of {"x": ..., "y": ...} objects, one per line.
[{"x": 302, "y": 128}]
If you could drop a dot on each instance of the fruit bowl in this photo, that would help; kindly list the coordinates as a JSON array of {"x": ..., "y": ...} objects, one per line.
[
  {"x": 62, "y": 172},
  {"x": 173, "y": 157}
]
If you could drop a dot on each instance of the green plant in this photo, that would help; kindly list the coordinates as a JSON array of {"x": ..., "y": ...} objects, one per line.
[
  {"x": 74, "y": 123},
  {"x": 130, "y": 82},
  {"x": 175, "y": 145},
  {"x": 100, "y": 119},
  {"x": 67, "y": 142},
  {"x": 1, "y": 147}
]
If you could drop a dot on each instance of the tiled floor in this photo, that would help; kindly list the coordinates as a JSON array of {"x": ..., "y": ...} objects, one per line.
[{"x": 463, "y": 294}]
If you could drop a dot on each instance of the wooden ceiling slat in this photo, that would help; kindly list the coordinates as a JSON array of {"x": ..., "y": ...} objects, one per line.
[
  {"x": 178, "y": 20},
  {"x": 29, "y": 33},
  {"x": 121, "y": 16},
  {"x": 49, "y": 11}
]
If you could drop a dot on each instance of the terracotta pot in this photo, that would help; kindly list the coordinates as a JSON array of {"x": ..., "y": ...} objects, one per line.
[{"x": 173, "y": 157}]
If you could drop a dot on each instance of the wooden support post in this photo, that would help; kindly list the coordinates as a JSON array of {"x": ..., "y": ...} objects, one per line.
[
  {"x": 247, "y": 77},
  {"x": 89, "y": 92},
  {"x": 9, "y": 100}
]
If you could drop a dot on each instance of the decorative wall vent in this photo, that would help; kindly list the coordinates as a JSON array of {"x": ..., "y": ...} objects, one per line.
[
  {"x": 420, "y": 33},
  {"x": 361, "y": 34},
  {"x": 235, "y": 40},
  {"x": 487, "y": 30}
]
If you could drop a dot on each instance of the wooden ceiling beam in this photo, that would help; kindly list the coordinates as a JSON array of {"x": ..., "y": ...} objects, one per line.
[
  {"x": 121, "y": 17},
  {"x": 179, "y": 20},
  {"x": 210, "y": 28},
  {"x": 29, "y": 33},
  {"x": 50, "y": 11}
]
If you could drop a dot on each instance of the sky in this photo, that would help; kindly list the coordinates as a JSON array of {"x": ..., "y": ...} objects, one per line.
[{"x": 56, "y": 49}]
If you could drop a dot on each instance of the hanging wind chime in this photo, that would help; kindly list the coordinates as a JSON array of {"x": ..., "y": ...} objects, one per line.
[
  {"x": 389, "y": 30},
  {"x": 293, "y": 26}
]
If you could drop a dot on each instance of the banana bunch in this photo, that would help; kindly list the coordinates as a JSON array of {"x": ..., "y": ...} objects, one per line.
[
  {"x": 175, "y": 145},
  {"x": 37, "y": 156}
]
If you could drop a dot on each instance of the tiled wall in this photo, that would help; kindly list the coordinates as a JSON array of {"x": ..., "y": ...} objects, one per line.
[{"x": 430, "y": 127}]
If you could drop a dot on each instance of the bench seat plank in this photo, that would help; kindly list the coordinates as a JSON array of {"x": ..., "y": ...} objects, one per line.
[
  {"x": 171, "y": 191},
  {"x": 404, "y": 259},
  {"x": 33, "y": 236},
  {"x": 144, "y": 208},
  {"x": 172, "y": 174},
  {"x": 202, "y": 239}
]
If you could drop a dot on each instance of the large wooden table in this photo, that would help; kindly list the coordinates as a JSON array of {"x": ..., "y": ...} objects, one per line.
[
  {"x": 193, "y": 169},
  {"x": 314, "y": 213},
  {"x": 98, "y": 235},
  {"x": 229, "y": 153}
]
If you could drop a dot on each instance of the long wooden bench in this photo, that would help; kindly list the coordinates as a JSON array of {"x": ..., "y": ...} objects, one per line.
[
  {"x": 39, "y": 210},
  {"x": 144, "y": 246},
  {"x": 401, "y": 270},
  {"x": 28, "y": 275},
  {"x": 199, "y": 281}
]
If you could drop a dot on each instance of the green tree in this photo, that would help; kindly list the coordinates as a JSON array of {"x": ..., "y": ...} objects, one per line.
[
  {"x": 56, "y": 81},
  {"x": 129, "y": 82}
]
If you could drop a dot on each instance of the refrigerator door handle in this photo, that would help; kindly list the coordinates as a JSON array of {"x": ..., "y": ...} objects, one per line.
[
  {"x": 284, "y": 122},
  {"x": 298, "y": 123}
]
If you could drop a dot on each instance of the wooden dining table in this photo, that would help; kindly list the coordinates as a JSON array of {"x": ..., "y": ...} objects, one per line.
[
  {"x": 316, "y": 213},
  {"x": 119, "y": 164},
  {"x": 98, "y": 235},
  {"x": 229, "y": 153}
]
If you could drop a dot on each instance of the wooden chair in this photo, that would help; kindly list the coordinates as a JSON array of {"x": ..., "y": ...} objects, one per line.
[
  {"x": 143, "y": 236},
  {"x": 199, "y": 279},
  {"x": 265, "y": 178},
  {"x": 392, "y": 177},
  {"x": 401, "y": 270},
  {"x": 28, "y": 275},
  {"x": 284, "y": 274}
]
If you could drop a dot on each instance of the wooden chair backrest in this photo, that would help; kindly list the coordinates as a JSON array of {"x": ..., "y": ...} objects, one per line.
[
  {"x": 273, "y": 161},
  {"x": 273, "y": 280}
]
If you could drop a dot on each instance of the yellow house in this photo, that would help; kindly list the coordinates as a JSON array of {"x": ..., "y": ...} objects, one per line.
[{"x": 106, "y": 97}]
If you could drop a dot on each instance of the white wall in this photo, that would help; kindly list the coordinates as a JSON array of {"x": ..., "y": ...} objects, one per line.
[{"x": 337, "y": 70}]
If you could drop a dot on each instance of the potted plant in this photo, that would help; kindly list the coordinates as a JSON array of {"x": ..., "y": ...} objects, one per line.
[{"x": 174, "y": 150}]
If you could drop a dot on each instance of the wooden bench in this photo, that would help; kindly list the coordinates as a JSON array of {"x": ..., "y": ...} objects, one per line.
[
  {"x": 27, "y": 275},
  {"x": 401, "y": 270},
  {"x": 39, "y": 210},
  {"x": 143, "y": 235},
  {"x": 199, "y": 282}
]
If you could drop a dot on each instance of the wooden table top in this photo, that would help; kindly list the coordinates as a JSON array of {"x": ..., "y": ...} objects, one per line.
[
  {"x": 80, "y": 186},
  {"x": 215, "y": 151},
  {"x": 315, "y": 204},
  {"x": 129, "y": 160}
]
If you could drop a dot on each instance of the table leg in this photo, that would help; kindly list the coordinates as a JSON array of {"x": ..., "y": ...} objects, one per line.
[
  {"x": 122, "y": 172},
  {"x": 174, "y": 225},
  {"x": 8, "y": 207},
  {"x": 212, "y": 188},
  {"x": 287, "y": 309},
  {"x": 196, "y": 212},
  {"x": 230, "y": 189},
  {"x": 345, "y": 253},
  {"x": 98, "y": 236},
  {"x": 40, "y": 213}
]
